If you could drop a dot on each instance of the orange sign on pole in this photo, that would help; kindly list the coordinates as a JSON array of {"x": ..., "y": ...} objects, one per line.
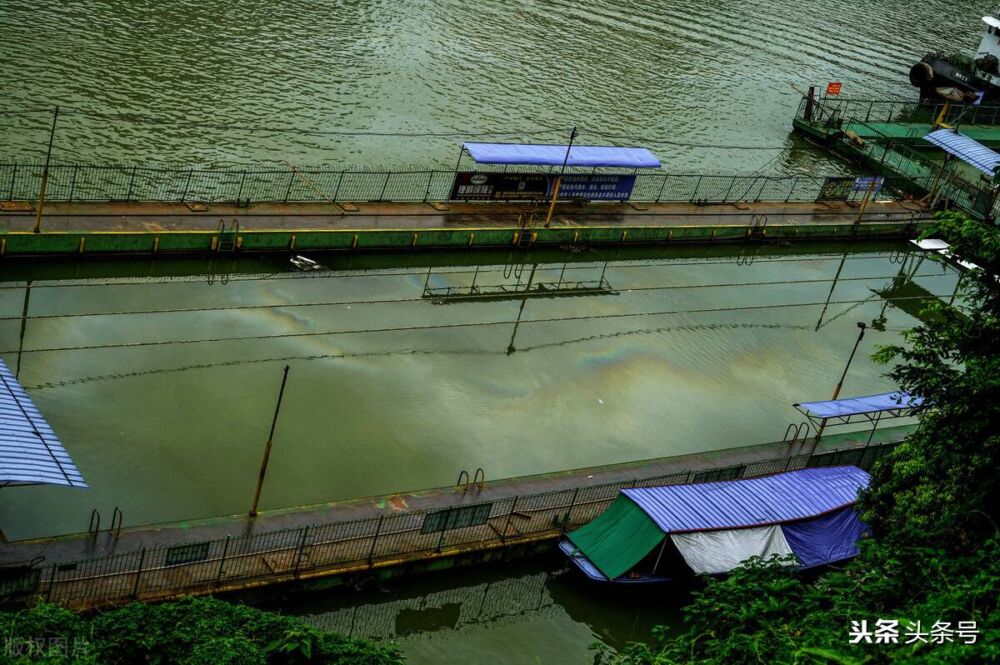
[{"x": 833, "y": 88}]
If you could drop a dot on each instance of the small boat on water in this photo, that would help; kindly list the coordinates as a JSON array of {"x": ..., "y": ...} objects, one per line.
[
  {"x": 654, "y": 535},
  {"x": 959, "y": 76}
]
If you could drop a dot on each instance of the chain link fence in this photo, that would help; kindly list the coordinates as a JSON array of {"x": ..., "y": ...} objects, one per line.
[
  {"x": 359, "y": 545},
  {"x": 90, "y": 183}
]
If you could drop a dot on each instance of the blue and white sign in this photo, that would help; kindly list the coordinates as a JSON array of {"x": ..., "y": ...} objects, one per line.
[
  {"x": 874, "y": 182},
  {"x": 595, "y": 186},
  {"x": 472, "y": 186}
]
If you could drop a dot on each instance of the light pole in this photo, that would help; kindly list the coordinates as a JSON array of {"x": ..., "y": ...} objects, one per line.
[
  {"x": 857, "y": 342},
  {"x": 555, "y": 189},
  {"x": 45, "y": 174}
]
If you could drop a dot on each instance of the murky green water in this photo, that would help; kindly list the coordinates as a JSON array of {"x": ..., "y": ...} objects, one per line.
[
  {"x": 530, "y": 612},
  {"x": 162, "y": 386},
  {"x": 693, "y": 350},
  {"x": 228, "y": 79}
]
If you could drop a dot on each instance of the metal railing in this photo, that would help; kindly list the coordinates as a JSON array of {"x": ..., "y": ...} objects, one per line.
[
  {"x": 919, "y": 174},
  {"x": 827, "y": 109},
  {"x": 359, "y": 545},
  {"x": 90, "y": 183}
]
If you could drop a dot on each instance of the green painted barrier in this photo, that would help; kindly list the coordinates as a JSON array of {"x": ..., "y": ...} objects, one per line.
[{"x": 202, "y": 242}]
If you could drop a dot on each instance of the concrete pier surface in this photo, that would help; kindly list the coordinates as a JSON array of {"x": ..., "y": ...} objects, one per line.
[
  {"x": 150, "y": 228},
  {"x": 158, "y": 216}
]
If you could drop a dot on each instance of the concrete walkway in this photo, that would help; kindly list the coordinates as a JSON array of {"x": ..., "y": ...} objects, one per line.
[{"x": 165, "y": 217}]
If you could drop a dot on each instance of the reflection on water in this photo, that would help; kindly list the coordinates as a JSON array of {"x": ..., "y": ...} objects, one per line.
[
  {"x": 160, "y": 376},
  {"x": 535, "y": 611}
]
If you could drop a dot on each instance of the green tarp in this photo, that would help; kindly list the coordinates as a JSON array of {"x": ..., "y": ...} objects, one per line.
[{"x": 619, "y": 538}]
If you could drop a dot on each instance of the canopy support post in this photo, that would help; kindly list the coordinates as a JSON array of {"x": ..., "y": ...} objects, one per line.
[
  {"x": 878, "y": 417},
  {"x": 660, "y": 555},
  {"x": 555, "y": 188},
  {"x": 819, "y": 432}
]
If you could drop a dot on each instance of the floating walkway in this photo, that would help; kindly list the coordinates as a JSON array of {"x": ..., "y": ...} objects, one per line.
[
  {"x": 379, "y": 536},
  {"x": 176, "y": 228}
]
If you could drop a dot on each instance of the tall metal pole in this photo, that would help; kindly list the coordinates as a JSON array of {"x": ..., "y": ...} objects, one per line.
[
  {"x": 45, "y": 174},
  {"x": 24, "y": 325},
  {"x": 555, "y": 189},
  {"x": 857, "y": 342},
  {"x": 267, "y": 446}
]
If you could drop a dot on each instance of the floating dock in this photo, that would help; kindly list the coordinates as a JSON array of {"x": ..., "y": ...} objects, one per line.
[
  {"x": 380, "y": 536},
  {"x": 888, "y": 138},
  {"x": 104, "y": 229}
]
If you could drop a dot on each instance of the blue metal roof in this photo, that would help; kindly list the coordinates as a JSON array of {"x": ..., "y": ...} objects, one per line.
[
  {"x": 969, "y": 151},
  {"x": 553, "y": 155},
  {"x": 30, "y": 453},
  {"x": 854, "y": 406},
  {"x": 733, "y": 504}
]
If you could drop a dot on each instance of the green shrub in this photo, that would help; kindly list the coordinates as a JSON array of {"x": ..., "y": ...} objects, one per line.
[{"x": 190, "y": 631}]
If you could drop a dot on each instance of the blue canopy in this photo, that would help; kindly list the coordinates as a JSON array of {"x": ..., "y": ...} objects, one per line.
[
  {"x": 784, "y": 497},
  {"x": 30, "y": 453},
  {"x": 553, "y": 155},
  {"x": 969, "y": 151},
  {"x": 861, "y": 405}
]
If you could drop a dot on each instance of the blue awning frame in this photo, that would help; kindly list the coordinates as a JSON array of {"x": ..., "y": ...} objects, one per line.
[
  {"x": 546, "y": 154},
  {"x": 864, "y": 408},
  {"x": 30, "y": 452},
  {"x": 968, "y": 150}
]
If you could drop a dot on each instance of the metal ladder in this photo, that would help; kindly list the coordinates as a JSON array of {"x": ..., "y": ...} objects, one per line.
[{"x": 226, "y": 240}]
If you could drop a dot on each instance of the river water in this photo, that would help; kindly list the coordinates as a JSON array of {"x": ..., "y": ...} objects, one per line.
[
  {"x": 216, "y": 82},
  {"x": 688, "y": 350},
  {"x": 161, "y": 376},
  {"x": 531, "y": 612}
]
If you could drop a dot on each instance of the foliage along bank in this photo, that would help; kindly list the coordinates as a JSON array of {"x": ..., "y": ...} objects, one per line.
[{"x": 191, "y": 631}]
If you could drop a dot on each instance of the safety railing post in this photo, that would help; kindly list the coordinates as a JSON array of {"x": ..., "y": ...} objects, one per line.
[
  {"x": 302, "y": 549},
  {"x": 427, "y": 191},
  {"x": 72, "y": 183},
  {"x": 441, "y": 538},
  {"x": 336, "y": 190},
  {"x": 131, "y": 183},
  {"x": 187, "y": 185},
  {"x": 138, "y": 574},
  {"x": 222, "y": 561},
  {"x": 288, "y": 189},
  {"x": 52, "y": 583},
  {"x": 239, "y": 193},
  {"x": 732, "y": 183},
  {"x": 697, "y": 184},
  {"x": 510, "y": 515},
  {"x": 13, "y": 178},
  {"x": 663, "y": 186},
  {"x": 378, "y": 531},
  {"x": 569, "y": 512},
  {"x": 385, "y": 183}
]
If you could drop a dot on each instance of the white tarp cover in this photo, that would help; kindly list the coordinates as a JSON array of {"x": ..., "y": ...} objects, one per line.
[{"x": 721, "y": 551}]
